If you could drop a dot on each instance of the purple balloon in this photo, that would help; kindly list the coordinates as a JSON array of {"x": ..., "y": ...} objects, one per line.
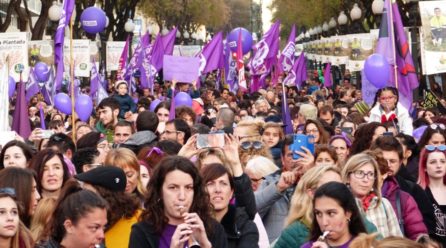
[
  {"x": 11, "y": 89},
  {"x": 232, "y": 39},
  {"x": 154, "y": 104},
  {"x": 42, "y": 72},
  {"x": 183, "y": 99},
  {"x": 377, "y": 70},
  {"x": 93, "y": 20},
  {"x": 417, "y": 133},
  {"x": 62, "y": 102},
  {"x": 83, "y": 107}
]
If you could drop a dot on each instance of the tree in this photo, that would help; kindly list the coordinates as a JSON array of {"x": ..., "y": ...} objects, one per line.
[{"x": 187, "y": 15}]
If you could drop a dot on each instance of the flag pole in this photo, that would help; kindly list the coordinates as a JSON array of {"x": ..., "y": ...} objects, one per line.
[
  {"x": 73, "y": 121},
  {"x": 392, "y": 32}
]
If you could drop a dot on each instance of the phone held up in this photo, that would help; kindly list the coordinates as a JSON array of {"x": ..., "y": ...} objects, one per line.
[
  {"x": 212, "y": 140},
  {"x": 299, "y": 141}
]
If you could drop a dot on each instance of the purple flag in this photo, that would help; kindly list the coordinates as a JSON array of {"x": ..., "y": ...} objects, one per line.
[
  {"x": 50, "y": 88},
  {"x": 394, "y": 50},
  {"x": 122, "y": 67},
  {"x": 102, "y": 92},
  {"x": 152, "y": 62},
  {"x": 286, "y": 60},
  {"x": 169, "y": 41},
  {"x": 94, "y": 80},
  {"x": 327, "y": 76},
  {"x": 230, "y": 68},
  {"x": 266, "y": 50},
  {"x": 20, "y": 122},
  {"x": 298, "y": 73},
  {"x": 59, "y": 76},
  {"x": 286, "y": 117},
  {"x": 42, "y": 117},
  {"x": 32, "y": 87},
  {"x": 67, "y": 10},
  {"x": 135, "y": 60},
  {"x": 211, "y": 57}
]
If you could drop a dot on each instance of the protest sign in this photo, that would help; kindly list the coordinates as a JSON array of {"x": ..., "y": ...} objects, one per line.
[
  {"x": 181, "y": 69},
  {"x": 81, "y": 57},
  {"x": 14, "y": 48},
  {"x": 114, "y": 50}
]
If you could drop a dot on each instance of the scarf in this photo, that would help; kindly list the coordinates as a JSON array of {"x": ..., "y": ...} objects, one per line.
[
  {"x": 384, "y": 119},
  {"x": 367, "y": 200}
]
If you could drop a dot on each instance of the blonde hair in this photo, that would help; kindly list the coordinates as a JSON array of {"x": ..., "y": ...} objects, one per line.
[
  {"x": 41, "y": 218},
  {"x": 301, "y": 207},
  {"x": 354, "y": 163},
  {"x": 253, "y": 131},
  {"x": 255, "y": 127},
  {"x": 276, "y": 125},
  {"x": 125, "y": 158},
  {"x": 369, "y": 240},
  {"x": 261, "y": 166},
  {"x": 22, "y": 238},
  {"x": 212, "y": 151},
  {"x": 309, "y": 111}
]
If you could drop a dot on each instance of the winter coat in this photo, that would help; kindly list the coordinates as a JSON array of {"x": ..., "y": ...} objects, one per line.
[
  {"x": 240, "y": 230},
  {"x": 143, "y": 235},
  {"x": 401, "y": 113},
  {"x": 406, "y": 209},
  {"x": 139, "y": 140},
  {"x": 439, "y": 228},
  {"x": 126, "y": 104},
  {"x": 420, "y": 197},
  {"x": 273, "y": 205}
]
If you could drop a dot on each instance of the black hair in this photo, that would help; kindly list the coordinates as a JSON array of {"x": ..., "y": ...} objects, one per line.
[
  {"x": 62, "y": 141},
  {"x": 390, "y": 144},
  {"x": 147, "y": 121},
  {"x": 289, "y": 139},
  {"x": 84, "y": 156},
  {"x": 343, "y": 196},
  {"x": 181, "y": 125},
  {"x": 26, "y": 149},
  {"x": 169, "y": 146},
  {"x": 108, "y": 102},
  {"x": 378, "y": 94}
]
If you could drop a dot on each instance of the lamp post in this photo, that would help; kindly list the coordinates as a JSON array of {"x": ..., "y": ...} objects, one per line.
[
  {"x": 355, "y": 14},
  {"x": 129, "y": 27},
  {"x": 342, "y": 21},
  {"x": 55, "y": 12}
]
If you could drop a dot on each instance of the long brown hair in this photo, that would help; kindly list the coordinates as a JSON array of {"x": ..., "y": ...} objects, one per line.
[{"x": 154, "y": 212}]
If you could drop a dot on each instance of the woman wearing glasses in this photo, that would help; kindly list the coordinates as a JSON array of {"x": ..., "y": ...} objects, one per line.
[
  {"x": 361, "y": 173},
  {"x": 13, "y": 234},
  {"x": 315, "y": 128},
  {"x": 386, "y": 108},
  {"x": 432, "y": 178}
]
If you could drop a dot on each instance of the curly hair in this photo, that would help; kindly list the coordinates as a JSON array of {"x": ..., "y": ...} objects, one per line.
[
  {"x": 363, "y": 137},
  {"x": 155, "y": 212},
  {"x": 121, "y": 205}
]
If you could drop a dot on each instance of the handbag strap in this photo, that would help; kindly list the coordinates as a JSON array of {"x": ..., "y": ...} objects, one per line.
[{"x": 398, "y": 209}]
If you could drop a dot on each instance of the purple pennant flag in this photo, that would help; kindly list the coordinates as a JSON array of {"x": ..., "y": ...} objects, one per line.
[
  {"x": 152, "y": 62},
  {"x": 20, "y": 122},
  {"x": 211, "y": 57},
  {"x": 169, "y": 41},
  {"x": 286, "y": 117},
  {"x": 42, "y": 117},
  {"x": 327, "y": 76},
  {"x": 94, "y": 80},
  {"x": 67, "y": 10},
  {"x": 122, "y": 67},
  {"x": 230, "y": 67},
  {"x": 286, "y": 60},
  {"x": 135, "y": 60},
  {"x": 50, "y": 87},
  {"x": 266, "y": 50},
  {"x": 298, "y": 73},
  {"x": 32, "y": 87}
]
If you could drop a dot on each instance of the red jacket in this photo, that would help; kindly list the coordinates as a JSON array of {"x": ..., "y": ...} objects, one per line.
[{"x": 411, "y": 216}]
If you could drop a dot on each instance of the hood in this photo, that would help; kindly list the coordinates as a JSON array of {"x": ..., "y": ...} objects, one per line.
[{"x": 141, "y": 138}]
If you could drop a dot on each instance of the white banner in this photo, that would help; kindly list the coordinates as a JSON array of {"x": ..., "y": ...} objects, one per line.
[
  {"x": 41, "y": 51},
  {"x": 81, "y": 57},
  {"x": 186, "y": 51},
  {"x": 14, "y": 47},
  {"x": 114, "y": 51}
]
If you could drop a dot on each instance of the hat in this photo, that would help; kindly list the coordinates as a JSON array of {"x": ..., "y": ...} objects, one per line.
[
  {"x": 109, "y": 177},
  {"x": 120, "y": 82}
]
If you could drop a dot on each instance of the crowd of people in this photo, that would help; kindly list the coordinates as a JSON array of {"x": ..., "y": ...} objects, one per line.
[{"x": 223, "y": 172}]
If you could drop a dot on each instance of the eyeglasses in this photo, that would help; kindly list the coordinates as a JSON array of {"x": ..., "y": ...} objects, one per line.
[
  {"x": 436, "y": 126},
  {"x": 8, "y": 191},
  {"x": 246, "y": 145},
  {"x": 361, "y": 174},
  {"x": 432, "y": 148}
]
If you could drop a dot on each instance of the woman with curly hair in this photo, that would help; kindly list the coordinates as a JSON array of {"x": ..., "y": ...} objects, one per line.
[
  {"x": 177, "y": 210},
  {"x": 365, "y": 135}
]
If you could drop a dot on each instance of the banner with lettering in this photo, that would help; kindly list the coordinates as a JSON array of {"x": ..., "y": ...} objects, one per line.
[{"x": 14, "y": 49}]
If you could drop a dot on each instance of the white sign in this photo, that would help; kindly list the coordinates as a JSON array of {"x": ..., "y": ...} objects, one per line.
[
  {"x": 114, "y": 51},
  {"x": 81, "y": 57},
  {"x": 14, "y": 52}
]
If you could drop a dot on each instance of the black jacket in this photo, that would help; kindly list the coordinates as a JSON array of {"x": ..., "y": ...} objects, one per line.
[
  {"x": 240, "y": 230},
  {"x": 143, "y": 235},
  {"x": 244, "y": 196},
  {"x": 420, "y": 196}
]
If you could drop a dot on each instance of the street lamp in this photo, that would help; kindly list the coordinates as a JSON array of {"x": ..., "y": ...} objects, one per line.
[
  {"x": 332, "y": 23},
  {"x": 342, "y": 19},
  {"x": 377, "y": 7},
  {"x": 356, "y": 12},
  {"x": 325, "y": 27},
  {"x": 55, "y": 12},
  {"x": 129, "y": 26}
]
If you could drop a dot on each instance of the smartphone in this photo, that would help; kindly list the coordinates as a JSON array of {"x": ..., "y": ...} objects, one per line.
[
  {"x": 299, "y": 141},
  {"x": 347, "y": 130},
  {"x": 211, "y": 140},
  {"x": 46, "y": 134}
]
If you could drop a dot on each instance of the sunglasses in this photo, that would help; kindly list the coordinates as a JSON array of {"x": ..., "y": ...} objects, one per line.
[
  {"x": 8, "y": 191},
  {"x": 432, "y": 148},
  {"x": 246, "y": 145},
  {"x": 436, "y": 126}
]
